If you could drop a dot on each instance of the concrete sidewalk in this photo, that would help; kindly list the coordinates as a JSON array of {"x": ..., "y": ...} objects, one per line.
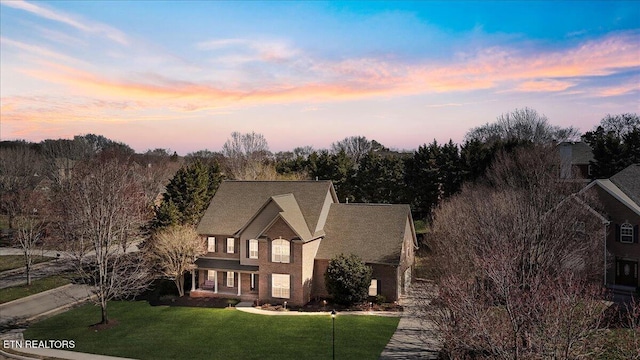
[{"x": 248, "y": 307}]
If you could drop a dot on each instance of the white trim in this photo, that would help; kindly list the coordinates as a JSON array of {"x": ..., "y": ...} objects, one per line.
[
  {"x": 231, "y": 245},
  {"x": 230, "y": 279},
  {"x": 624, "y": 199}
]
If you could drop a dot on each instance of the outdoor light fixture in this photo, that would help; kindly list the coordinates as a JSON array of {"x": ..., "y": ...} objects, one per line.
[{"x": 333, "y": 338}]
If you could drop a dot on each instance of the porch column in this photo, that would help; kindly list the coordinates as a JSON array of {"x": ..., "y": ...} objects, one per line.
[
  {"x": 193, "y": 280},
  {"x": 215, "y": 281},
  {"x": 239, "y": 284}
]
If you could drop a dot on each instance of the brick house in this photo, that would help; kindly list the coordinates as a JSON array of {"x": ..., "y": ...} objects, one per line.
[
  {"x": 272, "y": 240},
  {"x": 619, "y": 197}
]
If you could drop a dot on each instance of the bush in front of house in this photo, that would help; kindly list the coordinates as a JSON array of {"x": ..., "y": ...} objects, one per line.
[{"x": 347, "y": 279}]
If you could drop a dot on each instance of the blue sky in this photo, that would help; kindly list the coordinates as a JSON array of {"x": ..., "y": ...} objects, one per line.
[{"x": 184, "y": 75}]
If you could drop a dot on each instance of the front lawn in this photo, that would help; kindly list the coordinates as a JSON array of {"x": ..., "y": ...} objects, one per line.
[
  {"x": 37, "y": 286},
  {"x": 9, "y": 262},
  {"x": 161, "y": 332}
]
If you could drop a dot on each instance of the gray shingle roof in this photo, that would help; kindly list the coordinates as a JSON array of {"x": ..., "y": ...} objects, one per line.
[
  {"x": 628, "y": 180},
  {"x": 236, "y": 202},
  {"x": 374, "y": 232},
  {"x": 222, "y": 264},
  {"x": 581, "y": 153}
]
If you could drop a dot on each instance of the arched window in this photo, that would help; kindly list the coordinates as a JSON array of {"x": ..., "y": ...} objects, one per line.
[
  {"x": 626, "y": 233},
  {"x": 280, "y": 251}
]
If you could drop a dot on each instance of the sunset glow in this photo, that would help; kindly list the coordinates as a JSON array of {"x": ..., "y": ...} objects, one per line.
[{"x": 185, "y": 75}]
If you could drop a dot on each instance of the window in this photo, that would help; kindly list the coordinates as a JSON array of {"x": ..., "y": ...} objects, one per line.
[
  {"x": 280, "y": 251},
  {"x": 280, "y": 285},
  {"x": 230, "y": 278},
  {"x": 579, "y": 227},
  {"x": 253, "y": 281},
  {"x": 253, "y": 249},
  {"x": 231, "y": 242},
  {"x": 211, "y": 244},
  {"x": 211, "y": 275},
  {"x": 626, "y": 233},
  {"x": 373, "y": 288}
]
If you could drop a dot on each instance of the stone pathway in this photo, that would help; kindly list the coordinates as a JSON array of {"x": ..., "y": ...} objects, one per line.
[{"x": 415, "y": 337}]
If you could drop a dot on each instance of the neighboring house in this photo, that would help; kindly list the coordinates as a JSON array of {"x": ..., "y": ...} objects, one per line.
[
  {"x": 272, "y": 241},
  {"x": 619, "y": 197},
  {"x": 574, "y": 159}
]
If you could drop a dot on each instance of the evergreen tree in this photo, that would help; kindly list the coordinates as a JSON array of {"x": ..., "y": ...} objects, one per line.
[
  {"x": 188, "y": 194},
  {"x": 615, "y": 144}
]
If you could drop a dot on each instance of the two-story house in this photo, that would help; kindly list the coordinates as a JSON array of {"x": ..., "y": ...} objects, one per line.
[
  {"x": 272, "y": 241},
  {"x": 619, "y": 197}
]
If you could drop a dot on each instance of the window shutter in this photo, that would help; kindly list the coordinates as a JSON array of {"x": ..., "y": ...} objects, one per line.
[
  {"x": 635, "y": 234},
  {"x": 248, "y": 247},
  {"x": 378, "y": 286},
  {"x": 618, "y": 232}
]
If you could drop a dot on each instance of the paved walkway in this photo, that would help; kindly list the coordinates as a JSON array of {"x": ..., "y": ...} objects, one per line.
[
  {"x": 415, "y": 337},
  {"x": 42, "y": 304}
]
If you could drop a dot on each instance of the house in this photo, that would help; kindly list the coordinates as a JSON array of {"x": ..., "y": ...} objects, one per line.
[
  {"x": 619, "y": 197},
  {"x": 575, "y": 158},
  {"x": 271, "y": 241}
]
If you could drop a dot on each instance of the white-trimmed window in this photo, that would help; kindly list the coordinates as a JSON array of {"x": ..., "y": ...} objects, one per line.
[
  {"x": 231, "y": 245},
  {"x": 280, "y": 285},
  {"x": 253, "y": 249},
  {"x": 230, "y": 278},
  {"x": 626, "y": 233},
  {"x": 211, "y": 275},
  {"x": 253, "y": 281},
  {"x": 211, "y": 244},
  {"x": 373, "y": 288},
  {"x": 280, "y": 251}
]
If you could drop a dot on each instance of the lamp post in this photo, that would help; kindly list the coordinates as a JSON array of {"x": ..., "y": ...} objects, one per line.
[{"x": 333, "y": 337}]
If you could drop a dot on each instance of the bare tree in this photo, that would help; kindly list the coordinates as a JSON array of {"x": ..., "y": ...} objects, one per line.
[
  {"x": 356, "y": 147},
  {"x": 246, "y": 156},
  {"x": 103, "y": 207},
  {"x": 518, "y": 264},
  {"x": 30, "y": 228},
  {"x": 20, "y": 173},
  {"x": 175, "y": 250},
  {"x": 524, "y": 125}
]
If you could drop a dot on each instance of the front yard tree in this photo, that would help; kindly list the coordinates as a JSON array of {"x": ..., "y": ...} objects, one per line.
[
  {"x": 518, "y": 263},
  {"x": 347, "y": 279},
  {"x": 102, "y": 207},
  {"x": 175, "y": 250}
]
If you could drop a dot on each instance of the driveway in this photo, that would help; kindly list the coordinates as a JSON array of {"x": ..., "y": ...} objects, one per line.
[{"x": 415, "y": 337}]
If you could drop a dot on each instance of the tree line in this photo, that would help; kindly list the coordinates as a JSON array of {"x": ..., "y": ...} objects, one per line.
[{"x": 95, "y": 197}]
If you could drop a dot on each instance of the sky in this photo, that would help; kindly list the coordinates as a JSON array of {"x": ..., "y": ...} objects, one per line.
[{"x": 184, "y": 75}]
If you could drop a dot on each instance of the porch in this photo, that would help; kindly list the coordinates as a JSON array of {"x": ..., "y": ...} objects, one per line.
[{"x": 224, "y": 278}]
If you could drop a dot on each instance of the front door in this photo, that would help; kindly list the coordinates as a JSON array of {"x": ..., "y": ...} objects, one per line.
[{"x": 627, "y": 272}]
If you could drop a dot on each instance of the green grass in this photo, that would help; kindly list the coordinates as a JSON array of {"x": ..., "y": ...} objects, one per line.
[
  {"x": 146, "y": 332},
  {"x": 37, "y": 286},
  {"x": 8, "y": 262}
]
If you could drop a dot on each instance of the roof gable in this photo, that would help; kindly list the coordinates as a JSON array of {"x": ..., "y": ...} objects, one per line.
[
  {"x": 628, "y": 181},
  {"x": 236, "y": 203},
  {"x": 374, "y": 232}
]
